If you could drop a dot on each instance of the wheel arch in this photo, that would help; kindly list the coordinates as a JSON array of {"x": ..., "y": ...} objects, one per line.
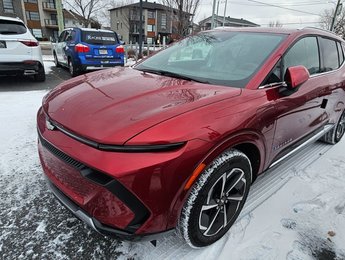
[{"x": 248, "y": 142}]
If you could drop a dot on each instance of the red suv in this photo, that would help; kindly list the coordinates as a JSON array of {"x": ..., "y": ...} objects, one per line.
[{"x": 176, "y": 141}]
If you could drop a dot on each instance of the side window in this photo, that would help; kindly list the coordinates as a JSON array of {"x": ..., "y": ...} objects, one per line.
[
  {"x": 62, "y": 35},
  {"x": 340, "y": 54},
  {"x": 329, "y": 54},
  {"x": 67, "y": 36},
  {"x": 305, "y": 52},
  {"x": 275, "y": 75}
]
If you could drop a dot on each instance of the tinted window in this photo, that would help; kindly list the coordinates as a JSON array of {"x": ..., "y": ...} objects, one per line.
[
  {"x": 340, "y": 53},
  {"x": 305, "y": 52},
  {"x": 99, "y": 38},
  {"x": 220, "y": 58},
  {"x": 12, "y": 27},
  {"x": 329, "y": 54},
  {"x": 68, "y": 36}
]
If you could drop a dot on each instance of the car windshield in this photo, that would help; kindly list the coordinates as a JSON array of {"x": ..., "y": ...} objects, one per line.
[
  {"x": 218, "y": 57},
  {"x": 99, "y": 37},
  {"x": 12, "y": 27}
]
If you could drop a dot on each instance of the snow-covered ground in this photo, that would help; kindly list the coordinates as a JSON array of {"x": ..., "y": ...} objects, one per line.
[{"x": 296, "y": 211}]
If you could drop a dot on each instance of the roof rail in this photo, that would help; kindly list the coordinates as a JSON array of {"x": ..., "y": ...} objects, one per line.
[{"x": 321, "y": 29}]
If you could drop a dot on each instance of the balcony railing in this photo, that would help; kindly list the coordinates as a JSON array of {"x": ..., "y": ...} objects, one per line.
[
  {"x": 134, "y": 17},
  {"x": 49, "y": 5},
  {"x": 49, "y": 22}
]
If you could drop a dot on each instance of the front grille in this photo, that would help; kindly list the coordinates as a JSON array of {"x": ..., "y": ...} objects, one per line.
[
  {"x": 115, "y": 187},
  {"x": 61, "y": 155}
]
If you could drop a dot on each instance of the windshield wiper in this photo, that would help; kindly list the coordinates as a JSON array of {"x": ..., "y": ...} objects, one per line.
[{"x": 172, "y": 74}]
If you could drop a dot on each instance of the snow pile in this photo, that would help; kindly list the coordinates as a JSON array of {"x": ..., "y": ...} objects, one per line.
[{"x": 304, "y": 219}]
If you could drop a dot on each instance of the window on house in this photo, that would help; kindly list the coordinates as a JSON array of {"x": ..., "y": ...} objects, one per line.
[
  {"x": 151, "y": 14},
  {"x": 30, "y": 1},
  {"x": 149, "y": 40},
  {"x": 37, "y": 33},
  {"x": 8, "y": 6},
  {"x": 164, "y": 21},
  {"x": 34, "y": 16},
  {"x": 151, "y": 28}
]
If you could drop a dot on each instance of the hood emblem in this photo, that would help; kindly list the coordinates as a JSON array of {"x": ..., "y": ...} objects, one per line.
[{"x": 49, "y": 125}]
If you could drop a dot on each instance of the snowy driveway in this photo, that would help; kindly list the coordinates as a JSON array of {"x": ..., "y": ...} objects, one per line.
[{"x": 297, "y": 211}]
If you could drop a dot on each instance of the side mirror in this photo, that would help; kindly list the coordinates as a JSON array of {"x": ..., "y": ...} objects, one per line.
[{"x": 296, "y": 76}]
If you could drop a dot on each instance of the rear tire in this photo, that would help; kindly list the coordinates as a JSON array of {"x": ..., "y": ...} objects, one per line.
[
  {"x": 72, "y": 68},
  {"x": 41, "y": 75},
  {"x": 216, "y": 199},
  {"x": 335, "y": 135}
]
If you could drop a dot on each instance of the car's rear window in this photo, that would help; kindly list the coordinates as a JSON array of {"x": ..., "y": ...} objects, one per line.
[
  {"x": 12, "y": 27},
  {"x": 99, "y": 38}
]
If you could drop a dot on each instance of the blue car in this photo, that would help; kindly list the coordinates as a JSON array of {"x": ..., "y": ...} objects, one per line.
[{"x": 81, "y": 49}]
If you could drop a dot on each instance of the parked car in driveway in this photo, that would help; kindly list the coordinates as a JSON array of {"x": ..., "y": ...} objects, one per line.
[
  {"x": 175, "y": 142},
  {"x": 20, "y": 53},
  {"x": 81, "y": 49}
]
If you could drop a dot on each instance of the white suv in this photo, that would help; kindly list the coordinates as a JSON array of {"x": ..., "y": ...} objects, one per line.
[{"x": 20, "y": 53}]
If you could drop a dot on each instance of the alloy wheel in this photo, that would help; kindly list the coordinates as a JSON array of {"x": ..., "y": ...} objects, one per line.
[{"x": 222, "y": 202}]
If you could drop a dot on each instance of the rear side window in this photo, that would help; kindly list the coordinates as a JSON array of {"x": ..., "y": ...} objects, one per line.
[
  {"x": 99, "y": 38},
  {"x": 305, "y": 52},
  {"x": 329, "y": 54},
  {"x": 12, "y": 27}
]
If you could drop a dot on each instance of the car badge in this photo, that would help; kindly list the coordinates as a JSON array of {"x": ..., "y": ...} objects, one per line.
[{"x": 49, "y": 125}]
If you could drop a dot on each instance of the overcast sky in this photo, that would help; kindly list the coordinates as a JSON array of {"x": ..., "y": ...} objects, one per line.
[{"x": 262, "y": 14}]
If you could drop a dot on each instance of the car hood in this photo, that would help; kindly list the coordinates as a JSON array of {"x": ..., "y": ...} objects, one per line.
[{"x": 114, "y": 105}]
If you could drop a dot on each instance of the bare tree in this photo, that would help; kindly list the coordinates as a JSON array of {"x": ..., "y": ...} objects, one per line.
[
  {"x": 87, "y": 9},
  {"x": 104, "y": 13},
  {"x": 339, "y": 25},
  {"x": 185, "y": 9},
  {"x": 275, "y": 24}
]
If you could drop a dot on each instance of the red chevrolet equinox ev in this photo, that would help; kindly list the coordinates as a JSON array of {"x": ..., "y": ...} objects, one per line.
[{"x": 175, "y": 142}]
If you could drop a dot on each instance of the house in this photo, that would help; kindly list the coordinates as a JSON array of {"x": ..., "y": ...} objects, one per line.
[
  {"x": 41, "y": 16},
  {"x": 159, "y": 22},
  {"x": 229, "y": 22}
]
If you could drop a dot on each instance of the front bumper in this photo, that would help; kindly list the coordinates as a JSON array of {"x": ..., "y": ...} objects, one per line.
[
  {"x": 137, "y": 193},
  {"x": 96, "y": 225}
]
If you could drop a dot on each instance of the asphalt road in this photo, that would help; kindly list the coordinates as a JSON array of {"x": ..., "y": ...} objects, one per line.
[
  {"x": 33, "y": 225},
  {"x": 54, "y": 76}
]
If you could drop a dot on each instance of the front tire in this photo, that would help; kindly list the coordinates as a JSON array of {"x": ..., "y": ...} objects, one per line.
[
  {"x": 57, "y": 64},
  {"x": 216, "y": 199}
]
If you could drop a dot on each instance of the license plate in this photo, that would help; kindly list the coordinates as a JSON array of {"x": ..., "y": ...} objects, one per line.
[
  {"x": 2, "y": 44},
  {"x": 103, "y": 52}
]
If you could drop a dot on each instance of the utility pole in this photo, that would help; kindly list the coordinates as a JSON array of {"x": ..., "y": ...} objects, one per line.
[
  {"x": 140, "y": 28},
  {"x": 336, "y": 13},
  {"x": 213, "y": 9},
  {"x": 59, "y": 15},
  {"x": 226, "y": 2}
]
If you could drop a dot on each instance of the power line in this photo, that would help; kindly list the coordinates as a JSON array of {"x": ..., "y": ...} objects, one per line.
[{"x": 286, "y": 8}]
